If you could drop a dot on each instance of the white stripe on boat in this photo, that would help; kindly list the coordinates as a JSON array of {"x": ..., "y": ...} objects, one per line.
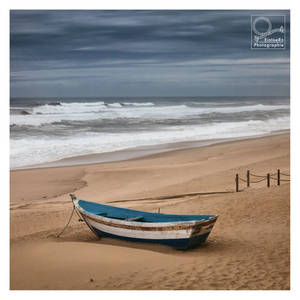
[{"x": 165, "y": 234}]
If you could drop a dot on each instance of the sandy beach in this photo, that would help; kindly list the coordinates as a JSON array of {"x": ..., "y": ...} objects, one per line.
[{"x": 249, "y": 247}]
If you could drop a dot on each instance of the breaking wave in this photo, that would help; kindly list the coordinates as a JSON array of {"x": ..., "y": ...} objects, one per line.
[
  {"x": 30, "y": 151},
  {"x": 47, "y": 114},
  {"x": 47, "y": 131}
]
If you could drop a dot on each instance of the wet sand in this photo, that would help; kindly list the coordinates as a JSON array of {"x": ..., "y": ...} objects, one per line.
[{"x": 249, "y": 247}]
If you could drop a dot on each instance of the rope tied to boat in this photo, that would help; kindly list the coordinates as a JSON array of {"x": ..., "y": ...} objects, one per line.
[
  {"x": 58, "y": 235},
  {"x": 66, "y": 226}
]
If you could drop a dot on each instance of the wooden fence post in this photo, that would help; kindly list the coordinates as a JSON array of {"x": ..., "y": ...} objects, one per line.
[
  {"x": 278, "y": 177},
  {"x": 268, "y": 179},
  {"x": 237, "y": 182},
  {"x": 248, "y": 178}
]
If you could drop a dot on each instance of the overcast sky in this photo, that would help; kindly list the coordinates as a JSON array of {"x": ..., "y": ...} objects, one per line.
[{"x": 142, "y": 53}]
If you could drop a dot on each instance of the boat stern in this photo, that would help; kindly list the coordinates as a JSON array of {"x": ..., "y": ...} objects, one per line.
[{"x": 200, "y": 232}]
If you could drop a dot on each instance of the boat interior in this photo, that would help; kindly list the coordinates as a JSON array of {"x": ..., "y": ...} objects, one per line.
[{"x": 135, "y": 215}]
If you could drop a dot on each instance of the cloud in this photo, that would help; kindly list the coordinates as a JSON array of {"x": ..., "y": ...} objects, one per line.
[{"x": 79, "y": 49}]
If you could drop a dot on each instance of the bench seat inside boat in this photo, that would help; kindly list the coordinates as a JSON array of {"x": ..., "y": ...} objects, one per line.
[{"x": 121, "y": 217}]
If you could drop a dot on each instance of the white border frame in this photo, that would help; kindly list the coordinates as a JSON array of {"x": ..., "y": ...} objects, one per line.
[{"x": 294, "y": 293}]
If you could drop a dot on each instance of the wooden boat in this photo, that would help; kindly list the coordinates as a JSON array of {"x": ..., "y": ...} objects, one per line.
[{"x": 180, "y": 231}]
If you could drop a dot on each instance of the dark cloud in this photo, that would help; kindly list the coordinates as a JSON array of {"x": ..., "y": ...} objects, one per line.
[{"x": 104, "y": 53}]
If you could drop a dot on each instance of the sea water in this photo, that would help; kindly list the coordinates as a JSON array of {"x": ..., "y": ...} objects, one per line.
[{"x": 46, "y": 130}]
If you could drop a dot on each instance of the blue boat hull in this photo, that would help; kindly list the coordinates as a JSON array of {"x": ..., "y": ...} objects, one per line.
[
  {"x": 176, "y": 243},
  {"x": 179, "y": 231}
]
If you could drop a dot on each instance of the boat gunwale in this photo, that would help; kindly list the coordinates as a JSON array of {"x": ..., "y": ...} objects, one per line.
[{"x": 136, "y": 225}]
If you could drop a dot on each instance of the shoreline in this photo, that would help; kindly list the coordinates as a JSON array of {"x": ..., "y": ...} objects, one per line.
[{"x": 138, "y": 152}]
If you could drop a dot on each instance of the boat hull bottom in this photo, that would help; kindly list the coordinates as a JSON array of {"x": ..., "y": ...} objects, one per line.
[{"x": 180, "y": 244}]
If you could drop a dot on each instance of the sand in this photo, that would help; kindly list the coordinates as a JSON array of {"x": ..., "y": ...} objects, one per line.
[{"x": 249, "y": 247}]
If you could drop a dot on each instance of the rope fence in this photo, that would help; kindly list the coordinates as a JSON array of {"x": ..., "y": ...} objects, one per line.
[
  {"x": 257, "y": 175},
  {"x": 284, "y": 174},
  {"x": 257, "y": 181},
  {"x": 267, "y": 177}
]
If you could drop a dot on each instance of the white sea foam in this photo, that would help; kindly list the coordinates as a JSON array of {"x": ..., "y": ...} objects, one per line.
[
  {"x": 47, "y": 114},
  {"x": 69, "y": 108},
  {"x": 34, "y": 150},
  {"x": 117, "y": 104},
  {"x": 98, "y": 127},
  {"x": 138, "y": 104}
]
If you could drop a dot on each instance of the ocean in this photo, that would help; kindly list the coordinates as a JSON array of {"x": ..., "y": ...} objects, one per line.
[{"x": 48, "y": 129}]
